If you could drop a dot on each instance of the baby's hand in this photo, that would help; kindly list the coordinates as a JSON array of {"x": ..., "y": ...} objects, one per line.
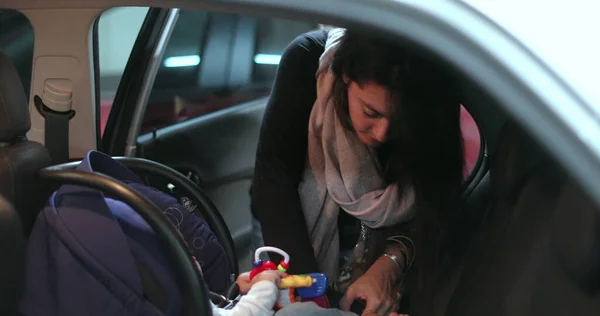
[
  {"x": 244, "y": 283},
  {"x": 268, "y": 275}
]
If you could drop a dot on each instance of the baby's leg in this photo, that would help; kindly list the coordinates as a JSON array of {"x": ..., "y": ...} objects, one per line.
[{"x": 311, "y": 309}]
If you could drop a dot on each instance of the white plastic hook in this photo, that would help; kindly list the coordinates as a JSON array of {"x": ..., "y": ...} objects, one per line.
[{"x": 259, "y": 251}]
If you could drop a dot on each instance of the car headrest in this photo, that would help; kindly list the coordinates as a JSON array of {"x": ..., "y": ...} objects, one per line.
[
  {"x": 14, "y": 110},
  {"x": 516, "y": 156}
]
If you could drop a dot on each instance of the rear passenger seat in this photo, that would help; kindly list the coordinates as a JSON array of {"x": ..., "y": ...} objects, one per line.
[{"x": 539, "y": 249}]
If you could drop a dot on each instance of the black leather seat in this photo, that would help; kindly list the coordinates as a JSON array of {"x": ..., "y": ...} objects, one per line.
[
  {"x": 12, "y": 259},
  {"x": 538, "y": 252},
  {"x": 20, "y": 159}
]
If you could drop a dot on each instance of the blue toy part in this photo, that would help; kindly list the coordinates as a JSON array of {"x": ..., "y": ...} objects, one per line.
[{"x": 317, "y": 289}]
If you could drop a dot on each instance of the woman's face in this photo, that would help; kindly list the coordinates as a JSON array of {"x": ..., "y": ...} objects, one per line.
[{"x": 370, "y": 107}]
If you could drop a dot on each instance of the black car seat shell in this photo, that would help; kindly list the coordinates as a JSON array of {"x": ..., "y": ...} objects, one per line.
[{"x": 20, "y": 158}]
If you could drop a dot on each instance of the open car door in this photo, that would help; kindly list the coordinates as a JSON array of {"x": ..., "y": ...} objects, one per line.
[{"x": 192, "y": 97}]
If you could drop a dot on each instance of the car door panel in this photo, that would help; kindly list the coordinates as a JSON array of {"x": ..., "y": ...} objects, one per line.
[
  {"x": 218, "y": 151},
  {"x": 205, "y": 109}
]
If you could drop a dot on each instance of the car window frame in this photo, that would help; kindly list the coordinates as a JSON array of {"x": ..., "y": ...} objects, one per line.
[
  {"x": 138, "y": 73},
  {"x": 227, "y": 69},
  {"x": 141, "y": 109}
]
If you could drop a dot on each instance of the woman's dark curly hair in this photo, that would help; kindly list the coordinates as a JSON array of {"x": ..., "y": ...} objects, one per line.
[{"x": 425, "y": 147}]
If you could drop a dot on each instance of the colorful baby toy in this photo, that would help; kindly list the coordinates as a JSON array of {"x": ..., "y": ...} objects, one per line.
[{"x": 293, "y": 287}]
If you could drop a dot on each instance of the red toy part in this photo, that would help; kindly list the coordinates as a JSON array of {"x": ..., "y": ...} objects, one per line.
[
  {"x": 268, "y": 265},
  {"x": 284, "y": 265}
]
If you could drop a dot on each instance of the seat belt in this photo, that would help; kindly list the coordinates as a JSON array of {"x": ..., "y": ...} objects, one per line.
[{"x": 55, "y": 107}]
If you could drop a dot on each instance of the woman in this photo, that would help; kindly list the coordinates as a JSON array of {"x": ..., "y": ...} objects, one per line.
[{"x": 348, "y": 155}]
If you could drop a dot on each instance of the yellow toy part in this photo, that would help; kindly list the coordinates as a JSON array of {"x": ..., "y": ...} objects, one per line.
[{"x": 294, "y": 281}]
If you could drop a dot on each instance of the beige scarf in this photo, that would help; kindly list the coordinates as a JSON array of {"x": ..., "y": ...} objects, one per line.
[{"x": 342, "y": 172}]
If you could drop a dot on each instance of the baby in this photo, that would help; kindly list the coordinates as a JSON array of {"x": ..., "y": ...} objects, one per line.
[{"x": 260, "y": 294}]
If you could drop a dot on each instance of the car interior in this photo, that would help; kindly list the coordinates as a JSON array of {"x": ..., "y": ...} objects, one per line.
[{"x": 530, "y": 234}]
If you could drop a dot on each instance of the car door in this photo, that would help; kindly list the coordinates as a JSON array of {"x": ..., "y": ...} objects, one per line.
[
  {"x": 205, "y": 107},
  {"x": 203, "y": 113}
]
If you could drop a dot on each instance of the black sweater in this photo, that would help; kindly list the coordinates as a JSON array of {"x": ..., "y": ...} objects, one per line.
[{"x": 281, "y": 154}]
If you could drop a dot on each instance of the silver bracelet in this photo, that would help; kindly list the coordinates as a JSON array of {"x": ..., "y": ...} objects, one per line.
[
  {"x": 398, "y": 264},
  {"x": 408, "y": 260}
]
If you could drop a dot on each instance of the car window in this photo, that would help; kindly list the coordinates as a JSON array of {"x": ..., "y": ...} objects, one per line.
[
  {"x": 212, "y": 61},
  {"x": 118, "y": 29},
  {"x": 217, "y": 60},
  {"x": 16, "y": 42},
  {"x": 241, "y": 54}
]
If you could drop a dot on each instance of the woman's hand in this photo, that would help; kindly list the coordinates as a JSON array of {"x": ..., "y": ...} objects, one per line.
[{"x": 376, "y": 287}]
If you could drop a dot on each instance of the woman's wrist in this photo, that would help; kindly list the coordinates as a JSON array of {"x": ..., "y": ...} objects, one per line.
[
  {"x": 402, "y": 247},
  {"x": 397, "y": 258},
  {"x": 403, "y": 244},
  {"x": 399, "y": 262},
  {"x": 386, "y": 269}
]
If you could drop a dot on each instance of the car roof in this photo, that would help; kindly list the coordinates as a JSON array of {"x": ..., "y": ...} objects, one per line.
[{"x": 563, "y": 34}]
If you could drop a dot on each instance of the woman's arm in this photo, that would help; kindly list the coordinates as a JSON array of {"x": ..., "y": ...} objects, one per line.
[
  {"x": 281, "y": 154},
  {"x": 378, "y": 285}
]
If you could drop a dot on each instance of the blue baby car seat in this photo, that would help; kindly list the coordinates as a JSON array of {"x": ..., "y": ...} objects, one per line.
[{"x": 90, "y": 254}]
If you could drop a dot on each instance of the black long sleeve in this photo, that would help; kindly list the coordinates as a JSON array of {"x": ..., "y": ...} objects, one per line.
[{"x": 281, "y": 154}]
